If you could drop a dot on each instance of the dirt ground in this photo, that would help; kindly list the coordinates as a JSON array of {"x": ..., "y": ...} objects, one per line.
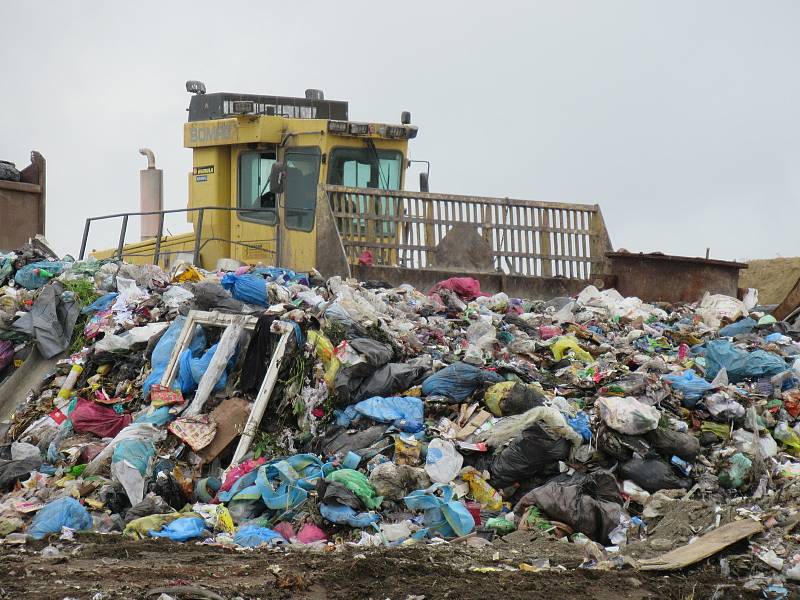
[
  {"x": 101, "y": 568},
  {"x": 773, "y": 278}
]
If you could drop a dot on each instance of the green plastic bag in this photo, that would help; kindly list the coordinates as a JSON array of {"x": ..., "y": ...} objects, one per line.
[{"x": 357, "y": 483}]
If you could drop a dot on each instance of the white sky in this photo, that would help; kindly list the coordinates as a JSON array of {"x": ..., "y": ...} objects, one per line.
[{"x": 678, "y": 118}]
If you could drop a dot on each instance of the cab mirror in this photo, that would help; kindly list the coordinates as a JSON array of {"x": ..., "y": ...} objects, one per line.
[
  {"x": 277, "y": 178},
  {"x": 423, "y": 182}
]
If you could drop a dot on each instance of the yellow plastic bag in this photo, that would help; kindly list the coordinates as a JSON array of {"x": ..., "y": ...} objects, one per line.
[
  {"x": 139, "y": 528},
  {"x": 568, "y": 342},
  {"x": 324, "y": 350},
  {"x": 185, "y": 272},
  {"x": 496, "y": 394},
  {"x": 480, "y": 489},
  {"x": 224, "y": 520},
  {"x": 721, "y": 430}
]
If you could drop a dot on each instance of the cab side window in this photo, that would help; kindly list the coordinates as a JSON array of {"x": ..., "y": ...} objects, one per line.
[{"x": 254, "y": 170}]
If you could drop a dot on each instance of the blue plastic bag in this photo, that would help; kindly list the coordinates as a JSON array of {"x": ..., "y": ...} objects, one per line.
[
  {"x": 64, "y": 512},
  {"x": 405, "y": 413},
  {"x": 345, "y": 515},
  {"x": 282, "y": 483},
  {"x": 30, "y": 277},
  {"x": 744, "y": 326},
  {"x": 690, "y": 384},
  {"x": 458, "y": 381},
  {"x": 102, "y": 303},
  {"x": 740, "y": 364},
  {"x": 282, "y": 276},
  {"x": 180, "y": 530},
  {"x": 163, "y": 351},
  {"x": 159, "y": 417},
  {"x": 580, "y": 423},
  {"x": 137, "y": 452},
  {"x": 246, "y": 288},
  {"x": 442, "y": 514},
  {"x": 251, "y": 536}
]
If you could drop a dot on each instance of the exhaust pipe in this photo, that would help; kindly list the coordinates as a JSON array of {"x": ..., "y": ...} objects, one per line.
[{"x": 151, "y": 195}]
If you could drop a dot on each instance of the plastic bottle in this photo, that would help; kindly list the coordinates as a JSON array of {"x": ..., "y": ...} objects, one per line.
[{"x": 66, "y": 390}]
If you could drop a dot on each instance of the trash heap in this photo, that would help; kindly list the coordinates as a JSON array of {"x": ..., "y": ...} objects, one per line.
[{"x": 394, "y": 416}]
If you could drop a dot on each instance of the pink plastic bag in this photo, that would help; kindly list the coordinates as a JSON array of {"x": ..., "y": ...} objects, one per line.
[
  {"x": 466, "y": 287},
  {"x": 103, "y": 421},
  {"x": 310, "y": 533},
  {"x": 285, "y": 529},
  {"x": 548, "y": 331},
  {"x": 241, "y": 470}
]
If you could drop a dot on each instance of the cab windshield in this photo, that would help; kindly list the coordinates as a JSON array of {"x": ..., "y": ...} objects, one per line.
[{"x": 366, "y": 167}]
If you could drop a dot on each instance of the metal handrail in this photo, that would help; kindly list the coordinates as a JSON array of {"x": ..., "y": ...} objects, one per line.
[{"x": 198, "y": 229}]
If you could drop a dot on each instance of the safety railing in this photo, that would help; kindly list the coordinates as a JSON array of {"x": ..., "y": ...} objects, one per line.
[
  {"x": 201, "y": 239},
  {"x": 542, "y": 239}
]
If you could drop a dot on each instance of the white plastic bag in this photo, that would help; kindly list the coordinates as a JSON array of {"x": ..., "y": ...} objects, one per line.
[
  {"x": 628, "y": 415},
  {"x": 176, "y": 295},
  {"x": 743, "y": 440},
  {"x": 124, "y": 341},
  {"x": 443, "y": 461},
  {"x": 22, "y": 450},
  {"x": 713, "y": 307},
  {"x": 135, "y": 431}
]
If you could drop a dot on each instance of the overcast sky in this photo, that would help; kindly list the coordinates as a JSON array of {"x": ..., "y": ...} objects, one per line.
[{"x": 680, "y": 118}]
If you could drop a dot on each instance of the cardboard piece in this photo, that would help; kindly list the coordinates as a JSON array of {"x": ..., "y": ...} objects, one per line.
[
  {"x": 231, "y": 416},
  {"x": 703, "y": 547}
]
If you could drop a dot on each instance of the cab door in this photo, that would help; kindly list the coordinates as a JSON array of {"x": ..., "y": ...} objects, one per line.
[
  {"x": 297, "y": 211},
  {"x": 254, "y": 227}
]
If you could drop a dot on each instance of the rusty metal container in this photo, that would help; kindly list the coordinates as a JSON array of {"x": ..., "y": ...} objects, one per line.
[
  {"x": 660, "y": 277},
  {"x": 22, "y": 205}
]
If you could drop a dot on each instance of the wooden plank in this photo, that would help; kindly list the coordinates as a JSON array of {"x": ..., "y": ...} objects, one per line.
[
  {"x": 262, "y": 399},
  {"x": 703, "y": 547}
]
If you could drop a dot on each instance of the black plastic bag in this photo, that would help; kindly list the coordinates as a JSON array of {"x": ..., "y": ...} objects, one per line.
[
  {"x": 339, "y": 440},
  {"x": 532, "y": 452},
  {"x": 374, "y": 352},
  {"x": 653, "y": 475},
  {"x": 590, "y": 504},
  {"x": 619, "y": 446},
  {"x": 151, "y": 504},
  {"x": 668, "y": 442},
  {"x": 13, "y": 470},
  {"x": 333, "y": 492},
  {"x": 391, "y": 379}
]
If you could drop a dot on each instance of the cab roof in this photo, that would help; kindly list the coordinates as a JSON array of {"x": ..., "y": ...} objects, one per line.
[{"x": 219, "y": 105}]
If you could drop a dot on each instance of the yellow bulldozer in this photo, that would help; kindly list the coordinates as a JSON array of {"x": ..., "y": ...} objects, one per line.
[{"x": 293, "y": 182}]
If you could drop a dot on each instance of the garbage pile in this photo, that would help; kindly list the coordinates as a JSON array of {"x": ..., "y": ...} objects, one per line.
[{"x": 267, "y": 407}]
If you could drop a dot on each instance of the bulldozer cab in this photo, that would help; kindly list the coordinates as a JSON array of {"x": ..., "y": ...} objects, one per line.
[{"x": 266, "y": 157}]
